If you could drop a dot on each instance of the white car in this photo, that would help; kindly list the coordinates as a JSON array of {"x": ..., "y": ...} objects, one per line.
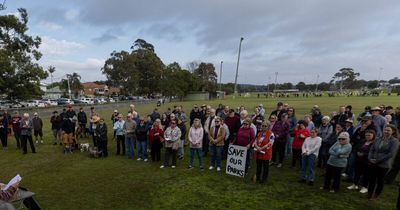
[
  {"x": 87, "y": 100},
  {"x": 36, "y": 103},
  {"x": 50, "y": 102}
]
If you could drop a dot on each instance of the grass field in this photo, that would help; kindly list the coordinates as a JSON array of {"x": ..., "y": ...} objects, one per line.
[{"x": 79, "y": 182}]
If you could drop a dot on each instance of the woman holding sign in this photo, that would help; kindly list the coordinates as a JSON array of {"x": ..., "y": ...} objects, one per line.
[
  {"x": 263, "y": 151},
  {"x": 245, "y": 138}
]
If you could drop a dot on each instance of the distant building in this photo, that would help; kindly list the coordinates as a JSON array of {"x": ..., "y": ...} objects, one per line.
[
  {"x": 91, "y": 89},
  {"x": 53, "y": 93}
]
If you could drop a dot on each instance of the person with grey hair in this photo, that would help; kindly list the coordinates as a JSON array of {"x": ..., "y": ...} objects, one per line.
[
  {"x": 26, "y": 126},
  {"x": 208, "y": 124},
  {"x": 337, "y": 161},
  {"x": 37, "y": 127},
  {"x": 129, "y": 129},
  {"x": 325, "y": 131}
]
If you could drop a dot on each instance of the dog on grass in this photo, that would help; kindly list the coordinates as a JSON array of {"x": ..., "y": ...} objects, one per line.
[
  {"x": 94, "y": 152},
  {"x": 84, "y": 147}
]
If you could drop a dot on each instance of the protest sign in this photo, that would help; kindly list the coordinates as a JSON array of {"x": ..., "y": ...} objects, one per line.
[{"x": 236, "y": 162}]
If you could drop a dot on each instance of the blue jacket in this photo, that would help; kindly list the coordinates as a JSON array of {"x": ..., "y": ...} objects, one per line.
[{"x": 339, "y": 154}]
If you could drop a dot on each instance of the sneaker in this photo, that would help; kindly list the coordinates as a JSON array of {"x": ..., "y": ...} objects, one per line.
[
  {"x": 190, "y": 167},
  {"x": 352, "y": 187},
  {"x": 201, "y": 168},
  {"x": 279, "y": 165},
  {"x": 218, "y": 169},
  {"x": 162, "y": 166},
  {"x": 55, "y": 143},
  {"x": 41, "y": 141},
  {"x": 364, "y": 190},
  {"x": 145, "y": 160},
  {"x": 139, "y": 159},
  {"x": 331, "y": 191},
  {"x": 211, "y": 168},
  {"x": 37, "y": 142},
  {"x": 344, "y": 175},
  {"x": 271, "y": 163},
  {"x": 173, "y": 166}
]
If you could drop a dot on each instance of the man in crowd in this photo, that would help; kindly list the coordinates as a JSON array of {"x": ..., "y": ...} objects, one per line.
[
  {"x": 82, "y": 120},
  {"x": 37, "y": 127},
  {"x": 56, "y": 123},
  {"x": 16, "y": 121}
]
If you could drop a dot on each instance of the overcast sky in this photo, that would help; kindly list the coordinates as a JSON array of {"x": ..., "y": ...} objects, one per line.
[{"x": 298, "y": 39}]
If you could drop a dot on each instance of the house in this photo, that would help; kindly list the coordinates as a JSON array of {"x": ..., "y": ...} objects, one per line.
[
  {"x": 91, "y": 89},
  {"x": 53, "y": 93}
]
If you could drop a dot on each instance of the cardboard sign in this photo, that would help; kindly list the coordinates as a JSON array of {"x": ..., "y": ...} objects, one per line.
[{"x": 236, "y": 162}]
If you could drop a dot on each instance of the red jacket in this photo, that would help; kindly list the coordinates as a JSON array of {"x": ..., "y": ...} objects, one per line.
[
  {"x": 153, "y": 131},
  {"x": 298, "y": 142},
  {"x": 262, "y": 139}
]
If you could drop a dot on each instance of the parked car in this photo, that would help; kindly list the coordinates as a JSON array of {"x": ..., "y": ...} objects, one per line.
[
  {"x": 78, "y": 101},
  {"x": 50, "y": 102},
  {"x": 36, "y": 103},
  {"x": 65, "y": 101},
  {"x": 99, "y": 101},
  {"x": 15, "y": 104},
  {"x": 110, "y": 100},
  {"x": 87, "y": 100}
]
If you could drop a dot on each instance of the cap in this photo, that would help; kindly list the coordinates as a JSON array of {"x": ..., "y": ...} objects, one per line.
[
  {"x": 377, "y": 108},
  {"x": 349, "y": 121},
  {"x": 343, "y": 135}
]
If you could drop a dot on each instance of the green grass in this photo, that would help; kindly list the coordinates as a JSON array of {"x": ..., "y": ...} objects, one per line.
[{"x": 79, "y": 182}]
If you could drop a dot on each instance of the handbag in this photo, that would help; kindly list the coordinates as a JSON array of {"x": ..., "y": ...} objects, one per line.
[{"x": 175, "y": 145}]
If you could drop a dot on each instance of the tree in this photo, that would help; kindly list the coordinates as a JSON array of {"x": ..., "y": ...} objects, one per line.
[
  {"x": 177, "y": 81},
  {"x": 206, "y": 76},
  {"x": 137, "y": 72},
  {"x": 74, "y": 84},
  {"x": 346, "y": 77},
  {"x": 21, "y": 74},
  {"x": 51, "y": 70},
  {"x": 121, "y": 71},
  {"x": 394, "y": 80}
]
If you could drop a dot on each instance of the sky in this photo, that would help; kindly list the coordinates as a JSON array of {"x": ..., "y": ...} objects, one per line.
[{"x": 306, "y": 40}]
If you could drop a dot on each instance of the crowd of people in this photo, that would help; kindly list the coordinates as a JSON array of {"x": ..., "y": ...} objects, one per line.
[{"x": 364, "y": 153}]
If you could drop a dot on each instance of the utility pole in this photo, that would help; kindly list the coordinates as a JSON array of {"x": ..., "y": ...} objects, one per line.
[
  {"x": 276, "y": 79},
  {"x": 316, "y": 87},
  {"x": 220, "y": 77},
  {"x": 237, "y": 66}
]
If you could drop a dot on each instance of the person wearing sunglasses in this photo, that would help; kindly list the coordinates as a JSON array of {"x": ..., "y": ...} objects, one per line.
[
  {"x": 245, "y": 138},
  {"x": 337, "y": 161},
  {"x": 263, "y": 151},
  {"x": 216, "y": 136}
]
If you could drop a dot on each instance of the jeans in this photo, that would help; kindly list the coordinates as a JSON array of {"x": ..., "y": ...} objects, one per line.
[
  {"x": 361, "y": 171},
  {"x": 351, "y": 165},
  {"x": 278, "y": 150},
  {"x": 288, "y": 149},
  {"x": 181, "y": 150},
  {"x": 168, "y": 152},
  {"x": 17, "y": 136},
  {"x": 216, "y": 155},
  {"x": 142, "y": 149},
  {"x": 3, "y": 137},
  {"x": 24, "y": 140},
  {"x": 156, "y": 150},
  {"x": 296, "y": 155},
  {"x": 323, "y": 155},
  {"x": 130, "y": 149},
  {"x": 199, "y": 155},
  {"x": 120, "y": 143},
  {"x": 262, "y": 165},
  {"x": 205, "y": 144},
  {"x": 332, "y": 172},
  {"x": 376, "y": 176},
  {"x": 308, "y": 162}
]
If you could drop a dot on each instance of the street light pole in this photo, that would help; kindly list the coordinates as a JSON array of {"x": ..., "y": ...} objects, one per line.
[
  {"x": 276, "y": 79},
  {"x": 237, "y": 66},
  {"x": 69, "y": 87},
  {"x": 316, "y": 87},
  {"x": 220, "y": 77}
]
